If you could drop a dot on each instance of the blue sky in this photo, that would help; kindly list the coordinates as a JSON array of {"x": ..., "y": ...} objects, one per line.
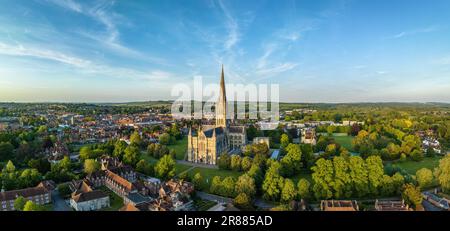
[{"x": 318, "y": 51}]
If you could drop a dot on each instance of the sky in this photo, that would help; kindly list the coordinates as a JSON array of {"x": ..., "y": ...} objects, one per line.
[{"x": 317, "y": 51}]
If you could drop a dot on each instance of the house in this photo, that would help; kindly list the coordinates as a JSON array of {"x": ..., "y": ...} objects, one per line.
[
  {"x": 308, "y": 136},
  {"x": 387, "y": 205},
  {"x": 39, "y": 195},
  {"x": 262, "y": 140},
  {"x": 338, "y": 205},
  {"x": 84, "y": 198}
]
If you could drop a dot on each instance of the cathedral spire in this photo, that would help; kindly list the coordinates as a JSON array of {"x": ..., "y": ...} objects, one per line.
[{"x": 221, "y": 105}]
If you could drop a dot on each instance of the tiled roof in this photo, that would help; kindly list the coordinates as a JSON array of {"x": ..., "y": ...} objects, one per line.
[
  {"x": 129, "y": 208},
  {"x": 119, "y": 180},
  {"x": 28, "y": 192},
  {"x": 88, "y": 196}
]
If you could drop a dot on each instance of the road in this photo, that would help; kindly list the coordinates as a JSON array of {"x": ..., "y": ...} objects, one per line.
[{"x": 59, "y": 204}]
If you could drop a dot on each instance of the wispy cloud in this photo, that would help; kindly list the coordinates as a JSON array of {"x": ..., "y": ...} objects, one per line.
[
  {"x": 102, "y": 13},
  {"x": 20, "y": 50},
  {"x": 402, "y": 34},
  {"x": 268, "y": 50},
  {"x": 232, "y": 27},
  {"x": 277, "y": 68},
  {"x": 83, "y": 65},
  {"x": 68, "y": 4}
]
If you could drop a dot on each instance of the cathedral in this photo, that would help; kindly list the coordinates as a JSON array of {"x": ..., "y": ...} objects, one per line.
[{"x": 208, "y": 142}]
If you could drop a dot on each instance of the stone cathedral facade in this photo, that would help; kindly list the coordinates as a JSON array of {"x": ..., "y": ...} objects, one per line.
[{"x": 208, "y": 142}]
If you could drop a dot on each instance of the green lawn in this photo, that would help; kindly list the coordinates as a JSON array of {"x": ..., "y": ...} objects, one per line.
[
  {"x": 149, "y": 159},
  {"x": 180, "y": 148},
  {"x": 115, "y": 201},
  {"x": 179, "y": 168},
  {"x": 411, "y": 166},
  {"x": 342, "y": 139},
  {"x": 208, "y": 174}
]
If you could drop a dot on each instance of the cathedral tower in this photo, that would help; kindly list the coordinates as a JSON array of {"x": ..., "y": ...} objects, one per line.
[{"x": 221, "y": 105}]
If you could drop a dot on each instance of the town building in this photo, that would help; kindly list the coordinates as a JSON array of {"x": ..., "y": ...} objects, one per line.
[
  {"x": 208, "y": 142},
  {"x": 84, "y": 198},
  {"x": 339, "y": 205},
  {"x": 262, "y": 140},
  {"x": 308, "y": 136},
  {"x": 41, "y": 195},
  {"x": 388, "y": 205}
]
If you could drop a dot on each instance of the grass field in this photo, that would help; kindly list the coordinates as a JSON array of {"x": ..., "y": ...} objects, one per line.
[
  {"x": 342, "y": 139},
  {"x": 412, "y": 166},
  {"x": 179, "y": 168},
  {"x": 115, "y": 201},
  {"x": 180, "y": 148},
  {"x": 208, "y": 174}
]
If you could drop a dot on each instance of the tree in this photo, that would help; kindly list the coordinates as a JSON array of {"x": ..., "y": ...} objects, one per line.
[
  {"x": 145, "y": 168},
  {"x": 291, "y": 162},
  {"x": 417, "y": 155},
  {"x": 245, "y": 184},
  {"x": 284, "y": 141},
  {"x": 10, "y": 168},
  {"x": 198, "y": 180},
  {"x": 342, "y": 181},
  {"x": 29, "y": 178},
  {"x": 6, "y": 151},
  {"x": 119, "y": 149},
  {"x": 235, "y": 163},
  {"x": 387, "y": 186},
  {"x": 359, "y": 176},
  {"x": 19, "y": 203},
  {"x": 323, "y": 179},
  {"x": 256, "y": 173},
  {"x": 412, "y": 195},
  {"x": 31, "y": 206},
  {"x": 307, "y": 154},
  {"x": 303, "y": 187},
  {"x": 165, "y": 168},
  {"x": 216, "y": 185},
  {"x": 430, "y": 152},
  {"x": 273, "y": 182},
  {"x": 64, "y": 190},
  {"x": 246, "y": 163},
  {"x": 86, "y": 153},
  {"x": 42, "y": 165},
  {"x": 375, "y": 173},
  {"x": 224, "y": 161},
  {"x": 424, "y": 177},
  {"x": 131, "y": 156},
  {"x": 136, "y": 139},
  {"x": 228, "y": 185},
  {"x": 91, "y": 166},
  {"x": 65, "y": 164},
  {"x": 288, "y": 193},
  {"x": 243, "y": 201},
  {"x": 398, "y": 180},
  {"x": 164, "y": 139},
  {"x": 442, "y": 173}
]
